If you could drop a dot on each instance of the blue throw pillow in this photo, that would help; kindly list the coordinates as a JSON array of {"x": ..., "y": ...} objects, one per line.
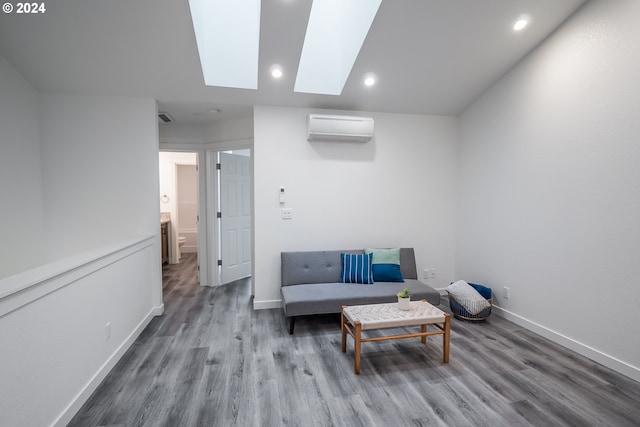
[
  {"x": 386, "y": 265},
  {"x": 356, "y": 268}
]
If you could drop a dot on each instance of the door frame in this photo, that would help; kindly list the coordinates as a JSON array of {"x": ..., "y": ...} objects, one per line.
[
  {"x": 202, "y": 191},
  {"x": 207, "y": 199}
]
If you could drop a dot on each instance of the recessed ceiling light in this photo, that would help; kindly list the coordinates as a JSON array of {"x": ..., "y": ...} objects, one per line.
[
  {"x": 369, "y": 80},
  {"x": 276, "y": 71},
  {"x": 521, "y": 23}
]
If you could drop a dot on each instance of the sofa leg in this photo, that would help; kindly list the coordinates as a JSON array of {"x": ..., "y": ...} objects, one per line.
[{"x": 292, "y": 322}]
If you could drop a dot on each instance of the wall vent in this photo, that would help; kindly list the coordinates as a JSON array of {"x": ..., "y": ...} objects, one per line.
[{"x": 165, "y": 117}]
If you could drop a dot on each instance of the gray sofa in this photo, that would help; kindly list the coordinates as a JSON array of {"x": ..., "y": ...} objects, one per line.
[{"x": 310, "y": 284}]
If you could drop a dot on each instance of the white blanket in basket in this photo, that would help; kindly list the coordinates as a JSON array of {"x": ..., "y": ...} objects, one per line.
[{"x": 468, "y": 297}]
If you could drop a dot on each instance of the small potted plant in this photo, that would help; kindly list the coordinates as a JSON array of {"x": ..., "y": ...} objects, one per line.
[{"x": 404, "y": 299}]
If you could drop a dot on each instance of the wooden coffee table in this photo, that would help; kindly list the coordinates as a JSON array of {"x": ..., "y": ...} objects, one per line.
[{"x": 357, "y": 318}]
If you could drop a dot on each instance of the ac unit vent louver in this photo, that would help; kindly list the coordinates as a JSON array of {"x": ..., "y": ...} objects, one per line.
[{"x": 322, "y": 127}]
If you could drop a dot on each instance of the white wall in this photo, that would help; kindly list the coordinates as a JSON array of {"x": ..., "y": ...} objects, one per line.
[
  {"x": 549, "y": 190},
  {"x": 196, "y": 134},
  {"x": 229, "y": 130},
  {"x": 100, "y": 170},
  {"x": 397, "y": 190},
  {"x": 177, "y": 133},
  {"x": 55, "y": 345},
  {"x": 79, "y": 178},
  {"x": 21, "y": 191}
]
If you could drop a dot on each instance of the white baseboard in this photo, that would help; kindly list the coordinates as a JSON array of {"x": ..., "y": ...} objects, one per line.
[
  {"x": 94, "y": 382},
  {"x": 586, "y": 351},
  {"x": 265, "y": 305},
  {"x": 158, "y": 311}
]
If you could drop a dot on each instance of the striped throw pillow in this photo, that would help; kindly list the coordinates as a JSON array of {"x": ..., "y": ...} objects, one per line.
[{"x": 356, "y": 268}]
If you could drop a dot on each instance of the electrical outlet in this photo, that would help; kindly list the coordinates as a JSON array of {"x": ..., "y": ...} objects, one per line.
[
  {"x": 287, "y": 213},
  {"x": 425, "y": 273},
  {"x": 432, "y": 273},
  {"x": 505, "y": 292}
]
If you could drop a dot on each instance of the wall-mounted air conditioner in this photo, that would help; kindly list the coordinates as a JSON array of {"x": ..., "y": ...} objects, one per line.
[{"x": 321, "y": 127}]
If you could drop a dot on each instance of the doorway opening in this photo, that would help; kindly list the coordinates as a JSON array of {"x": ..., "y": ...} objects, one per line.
[
  {"x": 210, "y": 208},
  {"x": 180, "y": 205}
]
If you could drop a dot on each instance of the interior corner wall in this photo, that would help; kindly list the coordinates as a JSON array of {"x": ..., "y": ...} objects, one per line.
[
  {"x": 101, "y": 170},
  {"x": 549, "y": 187},
  {"x": 21, "y": 188},
  {"x": 396, "y": 190}
]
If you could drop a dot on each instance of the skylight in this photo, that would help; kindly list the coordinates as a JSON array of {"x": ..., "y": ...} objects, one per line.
[
  {"x": 335, "y": 34},
  {"x": 228, "y": 34}
]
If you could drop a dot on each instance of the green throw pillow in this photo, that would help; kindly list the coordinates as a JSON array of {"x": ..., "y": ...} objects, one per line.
[{"x": 386, "y": 265}]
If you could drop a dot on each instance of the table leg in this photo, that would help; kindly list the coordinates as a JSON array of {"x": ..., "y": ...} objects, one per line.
[
  {"x": 344, "y": 331},
  {"x": 357, "y": 344},
  {"x": 423, "y": 329},
  {"x": 446, "y": 337}
]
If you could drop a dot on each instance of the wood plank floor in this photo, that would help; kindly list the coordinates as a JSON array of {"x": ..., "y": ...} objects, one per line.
[{"x": 211, "y": 360}]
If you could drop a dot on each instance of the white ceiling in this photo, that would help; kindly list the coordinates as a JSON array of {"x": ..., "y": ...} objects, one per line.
[{"x": 430, "y": 56}]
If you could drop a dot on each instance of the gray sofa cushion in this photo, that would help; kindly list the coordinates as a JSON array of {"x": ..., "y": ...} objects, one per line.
[{"x": 322, "y": 298}]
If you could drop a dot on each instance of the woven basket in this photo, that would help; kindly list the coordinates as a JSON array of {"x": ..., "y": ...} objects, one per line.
[{"x": 458, "y": 310}]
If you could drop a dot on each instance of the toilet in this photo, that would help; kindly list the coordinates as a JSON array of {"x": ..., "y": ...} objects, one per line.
[{"x": 181, "y": 241}]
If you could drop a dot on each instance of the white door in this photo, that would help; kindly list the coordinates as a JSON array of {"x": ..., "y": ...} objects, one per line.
[{"x": 235, "y": 221}]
